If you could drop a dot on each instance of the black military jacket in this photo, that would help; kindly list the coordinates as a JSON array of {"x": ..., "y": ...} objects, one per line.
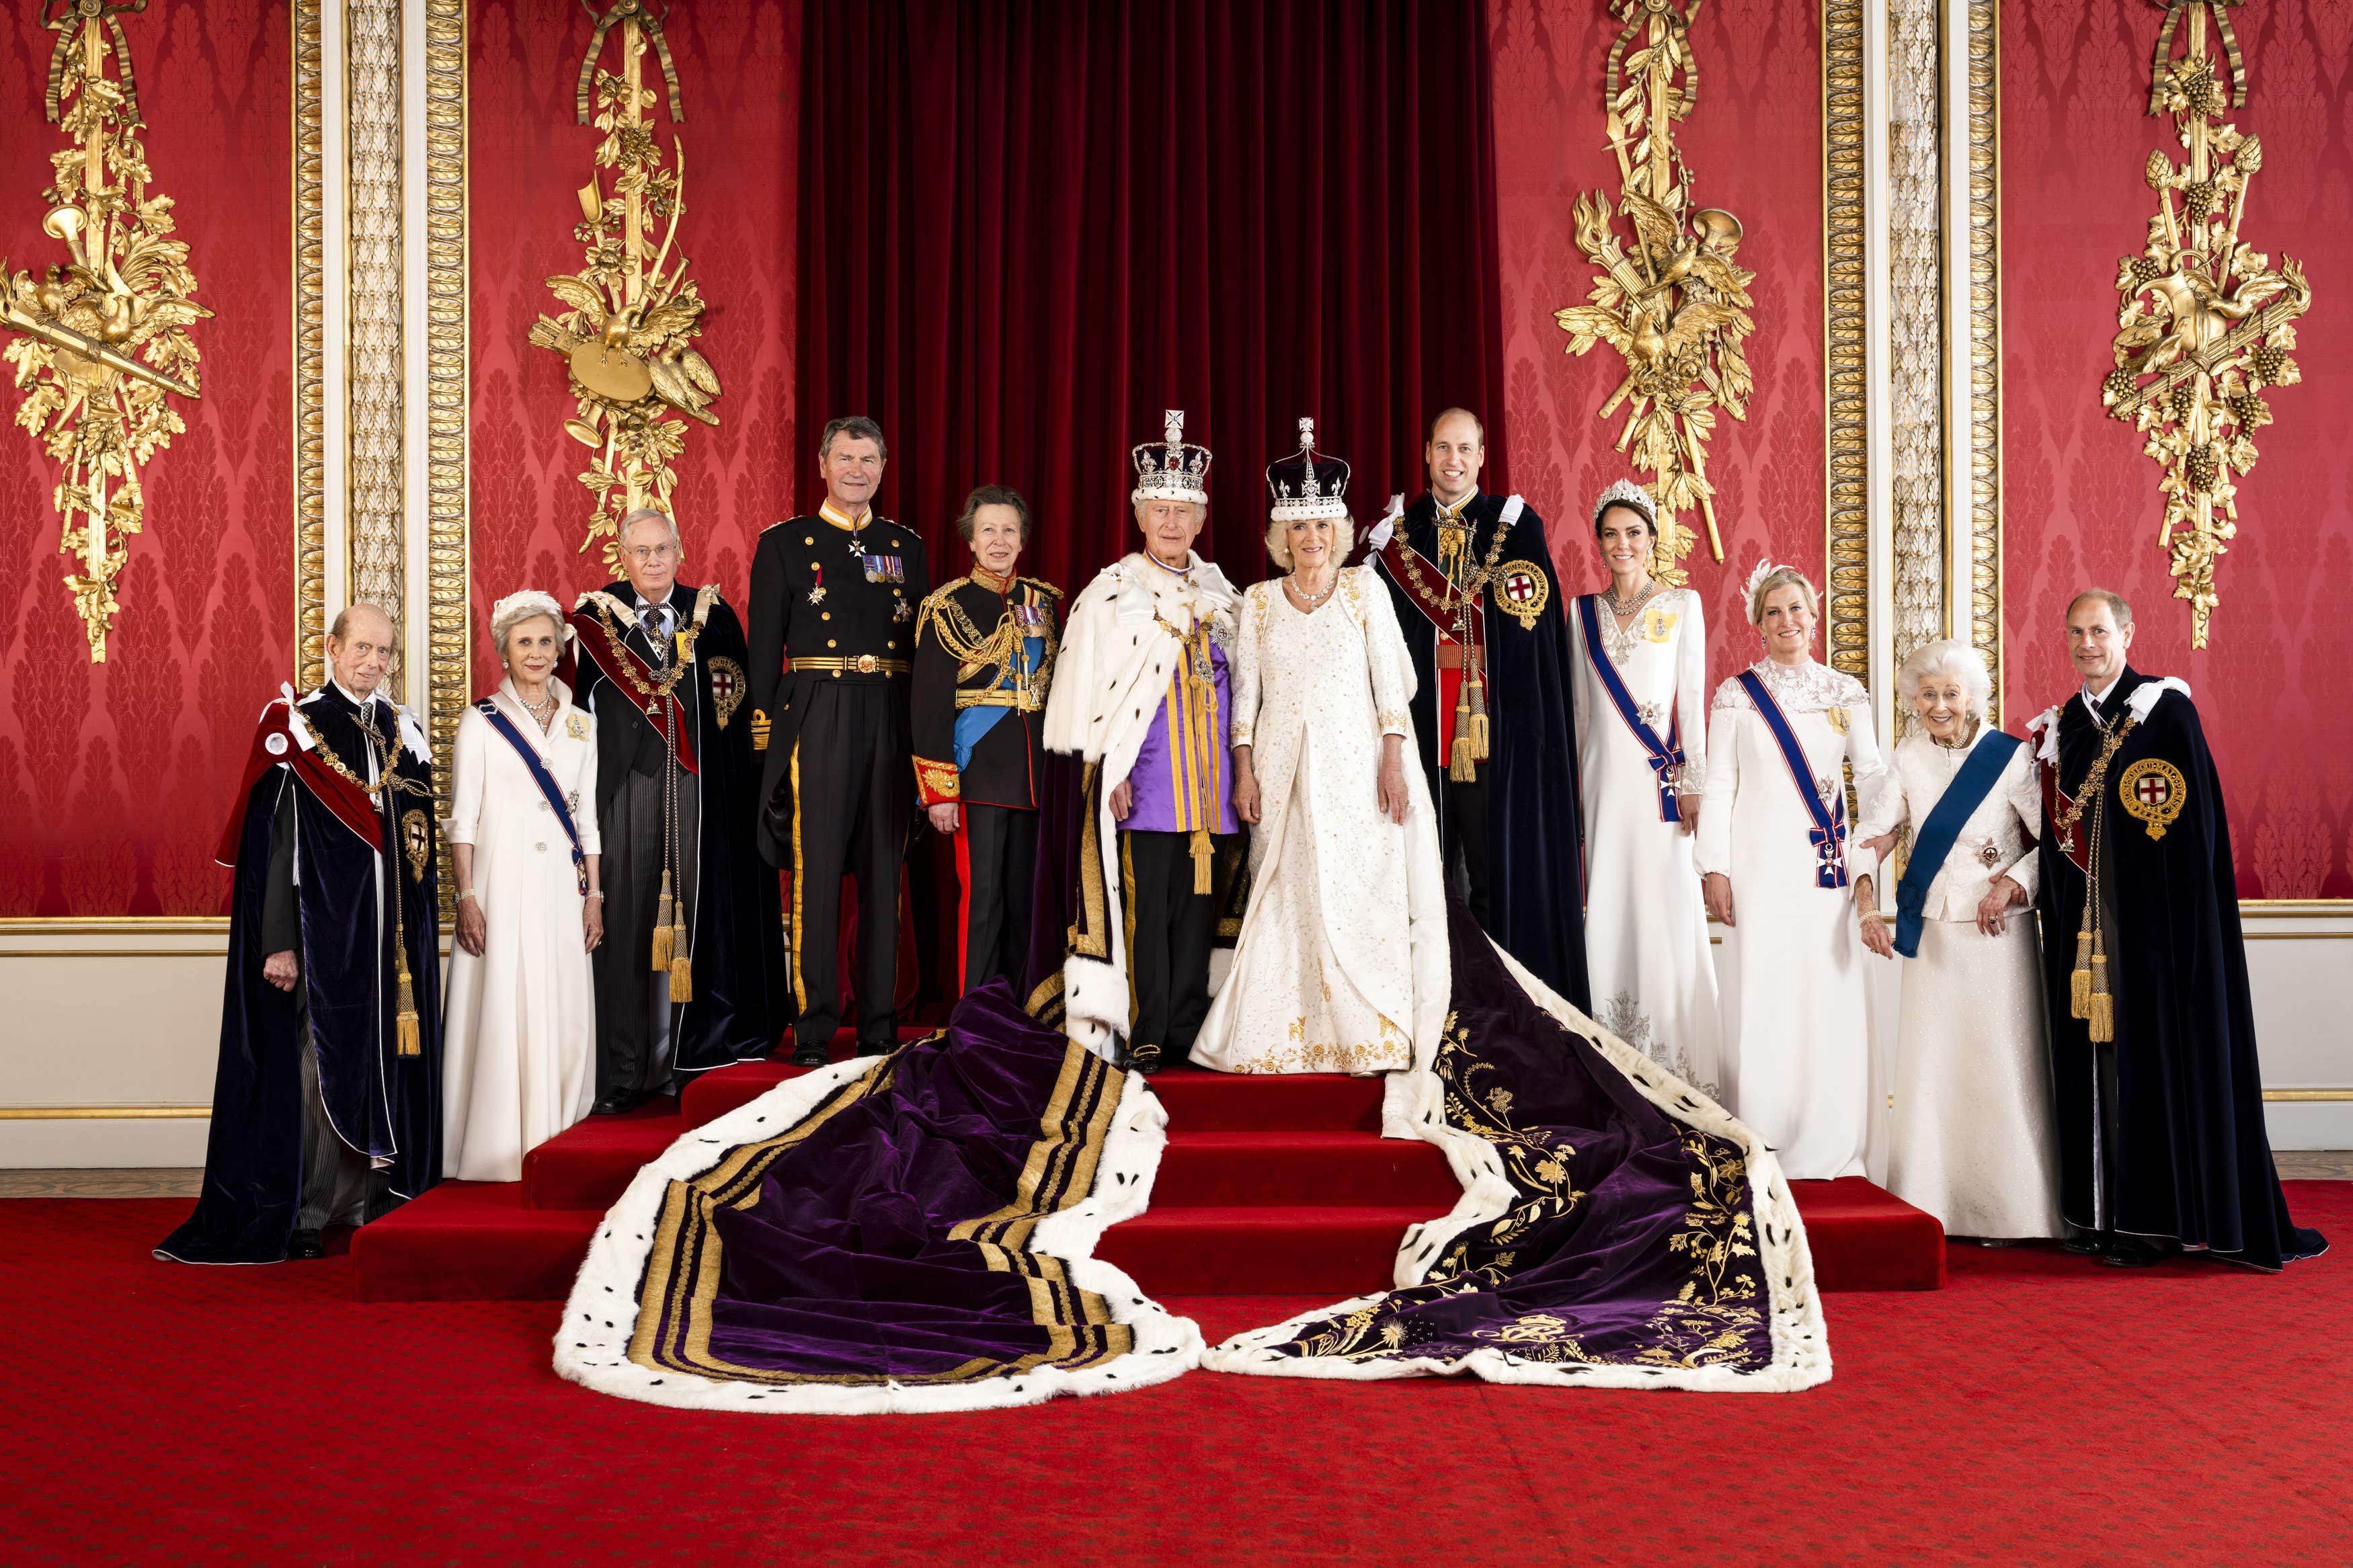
[{"x": 984, "y": 647}]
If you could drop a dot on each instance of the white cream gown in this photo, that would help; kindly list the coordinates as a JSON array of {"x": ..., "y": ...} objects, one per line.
[
  {"x": 1646, "y": 945},
  {"x": 519, "y": 1024},
  {"x": 1972, "y": 1140},
  {"x": 1340, "y": 965},
  {"x": 1797, "y": 1047}
]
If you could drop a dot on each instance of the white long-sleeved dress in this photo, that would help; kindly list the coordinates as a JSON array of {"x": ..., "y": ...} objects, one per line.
[
  {"x": 1340, "y": 965},
  {"x": 519, "y": 1023},
  {"x": 1971, "y": 1138},
  {"x": 1796, "y": 1023},
  {"x": 1646, "y": 945}
]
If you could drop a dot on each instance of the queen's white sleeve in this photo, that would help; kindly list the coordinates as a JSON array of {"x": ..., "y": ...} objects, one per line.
[
  {"x": 1384, "y": 656},
  {"x": 1712, "y": 845},
  {"x": 467, "y": 761},
  {"x": 1691, "y": 697},
  {"x": 1242, "y": 672}
]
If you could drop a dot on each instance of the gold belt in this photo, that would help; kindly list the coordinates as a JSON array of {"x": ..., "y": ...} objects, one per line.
[
  {"x": 997, "y": 697},
  {"x": 864, "y": 664}
]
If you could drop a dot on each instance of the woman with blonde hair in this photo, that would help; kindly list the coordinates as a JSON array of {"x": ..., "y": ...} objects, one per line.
[
  {"x": 519, "y": 1051},
  {"x": 1773, "y": 851},
  {"x": 1972, "y": 1140}
]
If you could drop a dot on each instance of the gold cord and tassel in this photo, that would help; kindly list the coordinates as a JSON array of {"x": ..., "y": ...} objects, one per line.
[
  {"x": 409, "y": 1035},
  {"x": 664, "y": 949},
  {"x": 2103, "y": 1014},
  {"x": 1201, "y": 861},
  {"x": 1464, "y": 767},
  {"x": 2079, "y": 984},
  {"x": 1477, "y": 687},
  {"x": 2088, "y": 996}
]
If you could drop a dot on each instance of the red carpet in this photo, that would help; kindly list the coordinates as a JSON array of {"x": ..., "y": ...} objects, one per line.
[
  {"x": 1269, "y": 1186},
  {"x": 2039, "y": 1409}
]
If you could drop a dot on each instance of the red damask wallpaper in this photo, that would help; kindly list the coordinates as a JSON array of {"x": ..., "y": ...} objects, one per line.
[
  {"x": 2082, "y": 504},
  {"x": 113, "y": 778},
  {"x": 738, "y": 64},
  {"x": 1754, "y": 146}
]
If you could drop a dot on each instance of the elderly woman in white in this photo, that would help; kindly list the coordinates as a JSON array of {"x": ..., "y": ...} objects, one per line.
[
  {"x": 1972, "y": 1140},
  {"x": 1773, "y": 852},
  {"x": 519, "y": 1043},
  {"x": 1342, "y": 965}
]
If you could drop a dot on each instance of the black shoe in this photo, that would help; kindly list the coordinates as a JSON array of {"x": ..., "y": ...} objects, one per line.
[
  {"x": 2131, "y": 1252},
  {"x": 305, "y": 1245},
  {"x": 2088, "y": 1243},
  {"x": 809, "y": 1056},
  {"x": 877, "y": 1047},
  {"x": 1146, "y": 1059},
  {"x": 620, "y": 1103}
]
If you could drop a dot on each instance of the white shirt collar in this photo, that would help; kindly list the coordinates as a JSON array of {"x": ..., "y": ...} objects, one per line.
[
  {"x": 2096, "y": 701},
  {"x": 359, "y": 702}
]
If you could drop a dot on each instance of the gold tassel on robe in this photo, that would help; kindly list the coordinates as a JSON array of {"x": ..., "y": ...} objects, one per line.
[
  {"x": 409, "y": 1035},
  {"x": 1477, "y": 687},
  {"x": 664, "y": 950},
  {"x": 2079, "y": 984},
  {"x": 681, "y": 968},
  {"x": 1463, "y": 765},
  {"x": 2102, "y": 1013},
  {"x": 1202, "y": 857}
]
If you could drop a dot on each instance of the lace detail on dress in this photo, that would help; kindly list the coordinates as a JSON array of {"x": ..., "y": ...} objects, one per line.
[
  {"x": 1623, "y": 1016},
  {"x": 1618, "y": 642},
  {"x": 1810, "y": 687}
]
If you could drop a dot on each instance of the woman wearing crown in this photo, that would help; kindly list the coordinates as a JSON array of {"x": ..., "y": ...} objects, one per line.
[
  {"x": 1773, "y": 852},
  {"x": 1342, "y": 964},
  {"x": 1640, "y": 670}
]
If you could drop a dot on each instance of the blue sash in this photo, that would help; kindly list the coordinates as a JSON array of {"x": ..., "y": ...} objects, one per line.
[
  {"x": 545, "y": 780},
  {"x": 1666, "y": 755},
  {"x": 972, "y": 723},
  {"x": 1976, "y": 778},
  {"x": 1828, "y": 834}
]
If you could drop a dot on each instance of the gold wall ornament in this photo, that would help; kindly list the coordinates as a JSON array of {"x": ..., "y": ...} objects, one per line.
[
  {"x": 1674, "y": 304},
  {"x": 2205, "y": 322},
  {"x": 631, "y": 316},
  {"x": 103, "y": 339}
]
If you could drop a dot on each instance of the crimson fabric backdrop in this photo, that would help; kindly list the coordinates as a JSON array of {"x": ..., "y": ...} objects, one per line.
[
  {"x": 114, "y": 778},
  {"x": 1029, "y": 230},
  {"x": 739, "y": 69},
  {"x": 2081, "y": 502},
  {"x": 1754, "y": 145}
]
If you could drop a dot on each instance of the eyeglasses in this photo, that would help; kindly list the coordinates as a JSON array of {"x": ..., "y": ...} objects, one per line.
[{"x": 650, "y": 551}]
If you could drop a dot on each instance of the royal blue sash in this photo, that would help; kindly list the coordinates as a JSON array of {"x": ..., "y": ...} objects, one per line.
[
  {"x": 1828, "y": 834},
  {"x": 1970, "y": 784},
  {"x": 545, "y": 780},
  {"x": 1666, "y": 755}
]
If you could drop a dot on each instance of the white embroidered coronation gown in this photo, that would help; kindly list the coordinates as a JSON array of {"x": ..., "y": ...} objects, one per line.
[
  {"x": 1646, "y": 943},
  {"x": 519, "y": 1024},
  {"x": 1797, "y": 1029},
  {"x": 1342, "y": 964},
  {"x": 1973, "y": 1141}
]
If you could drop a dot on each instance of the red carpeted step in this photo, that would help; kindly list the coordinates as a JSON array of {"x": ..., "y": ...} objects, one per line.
[
  {"x": 721, "y": 1089},
  {"x": 588, "y": 1166},
  {"x": 472, "y": 1241},
  {"x": 1217, "y": 1170},
  {"x": 1264, "y": 1250},
  {"x": 1233, "y": 1102},
  {"x": 1866, "y": 1239}
]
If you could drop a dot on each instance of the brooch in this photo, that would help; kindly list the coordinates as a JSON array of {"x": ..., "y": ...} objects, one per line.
[
  {"x": 2154, "y": 792},
  {"x": 1990, "y": 855}
]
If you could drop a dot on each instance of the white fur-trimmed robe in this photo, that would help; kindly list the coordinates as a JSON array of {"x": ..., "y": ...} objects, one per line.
[{"x": 1110, "y": 681}]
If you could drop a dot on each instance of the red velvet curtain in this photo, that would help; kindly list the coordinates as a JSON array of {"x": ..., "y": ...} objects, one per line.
[{"x": 1027, "y": 230}]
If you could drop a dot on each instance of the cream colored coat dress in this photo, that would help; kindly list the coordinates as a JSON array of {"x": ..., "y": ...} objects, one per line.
[
  {"x": 1342, "y": 964},
  {"x": 519, "y": 1024}
]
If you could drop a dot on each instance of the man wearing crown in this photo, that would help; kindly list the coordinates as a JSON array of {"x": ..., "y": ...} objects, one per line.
[
  {"x": 2162, "y": 1146},
  {"x": 327, "y": 1102},
  {"x": 1473, "y": 580},
  {"x": 834, "y": 596},
  {"x": 1140, "y": 694},
  {"x": 692, "y": 941}
]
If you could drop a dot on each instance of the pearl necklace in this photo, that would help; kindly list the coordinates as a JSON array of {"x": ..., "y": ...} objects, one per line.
[{"x": 1299, "y": 595}]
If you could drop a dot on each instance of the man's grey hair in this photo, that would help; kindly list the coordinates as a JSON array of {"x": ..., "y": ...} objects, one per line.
[
  {"x": 2116, "y": 602},
  {"x": 343, "y": 627},
  {"x": 1948, "y": 656},
  {"x": 858, "y": 427},
  {"x": 643, "y": 512}
]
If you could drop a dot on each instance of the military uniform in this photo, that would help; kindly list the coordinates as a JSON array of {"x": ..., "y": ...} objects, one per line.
[
  {"x": 833, "y": 637},
  {"x": 985, "y": 650}
]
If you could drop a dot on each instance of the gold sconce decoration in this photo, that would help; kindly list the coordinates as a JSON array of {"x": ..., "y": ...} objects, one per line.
[
  {"x": 631, "y": 317},
  {"x": 2206, "y": 322},
  {"x": 1673, "y": 302},
  {"x": 101, "y": 340}
]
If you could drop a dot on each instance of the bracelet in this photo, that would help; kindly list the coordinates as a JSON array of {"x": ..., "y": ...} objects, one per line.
[
  {"x": 1870, "y": 915},
  {"x": 596, "y": 892},
  {"x": 465, "y": 893}
]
